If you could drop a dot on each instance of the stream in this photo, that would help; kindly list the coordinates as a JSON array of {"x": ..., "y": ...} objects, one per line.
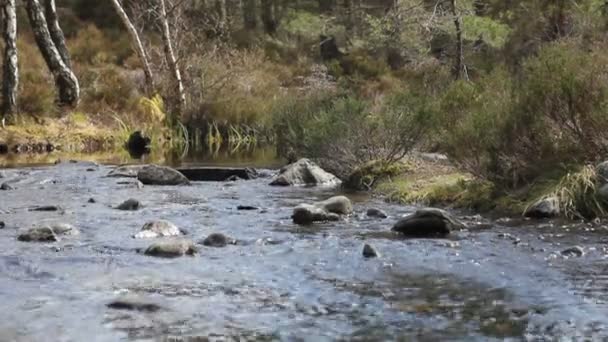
[{"x": 499, "y": 280}]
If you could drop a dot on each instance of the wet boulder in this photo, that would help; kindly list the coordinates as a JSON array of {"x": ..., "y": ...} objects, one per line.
[
  {"x": 171, "y": 249},
  {"x": 129, "y": 205},
  {"x": 132, "y": 303},
  {"x": 6, "y": 186},
  {"x": 544, "y": 208},
  {"x": 161, "y": 175},
  {"x": 340, "y": 205},
  {"x": 376, "y": 213},
  {"x": 428, "y": 222},
  {"x": 575, "y": 251},
  {"x": 304, "y": 172},
  {"x": 217, "y": 240},
  {"x": 155, "y": 229},
  {"x": 48, "y": 233},
  {"x": 310, "y": 213},
  {"x": 369, "y": 251},
  {"x": 602, "y": 172},
  {"x": 125, "y": 171}
]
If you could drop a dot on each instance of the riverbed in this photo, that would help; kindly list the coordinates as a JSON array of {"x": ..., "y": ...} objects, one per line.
[{"x": 500, "y": 279}]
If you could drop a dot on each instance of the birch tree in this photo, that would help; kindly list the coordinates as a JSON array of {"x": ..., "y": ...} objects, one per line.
[
  {"x": 65, "y": 80},
  {"x": 52, "y": 20},
  {"x": 170, "y": 57},
  {"x": 10, "y": 71},
  {"x": 137, "y": 46}
]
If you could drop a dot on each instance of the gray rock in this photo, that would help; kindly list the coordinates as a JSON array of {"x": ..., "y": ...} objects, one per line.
[
  {"x": 131, "y": 303},
  {"x": 171, "y": 249},
  {"x": 544, "y": 208},
  {"x": 134, "y": 183},
  {"x": 602, "y": 192},
  {"x": 217, "y": 240},
  {"x": 160, "y": 228},
  {"x": 369, "y": 251},
  {"x": 161, "y": 175},
  {"x": 428, "y": 222},
  {"x": 304, "y": 172},
  {"x": 40, "y": 234},
  {"x": 125, "y": 171},
  {"x": 602, "y": 172},
  {"x": 92, "y": 200},
  {"x": 48, "y": 232},
  {"x": 246, "y": 207},
  {"x": 47, "y": 208},
  {"x": 373, "y": 212},
  {"x": 2, "y": 224},
  {"x": 340, "y": 205},
  {"x": 5, "y": 186},
  {"x": 309, "y": 213},
  {"x": 131, "y": 205},
  {"x": 575, "y": 251}
]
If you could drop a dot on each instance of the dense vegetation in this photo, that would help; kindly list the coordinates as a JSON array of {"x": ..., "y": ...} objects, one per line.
[{"x": 514, "y": 92}]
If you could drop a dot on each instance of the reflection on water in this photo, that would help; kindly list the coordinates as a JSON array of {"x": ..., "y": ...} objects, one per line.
[{"x": 254, "y": 156}]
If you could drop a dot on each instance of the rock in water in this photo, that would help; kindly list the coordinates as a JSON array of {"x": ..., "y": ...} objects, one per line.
[
  {"x": 373, "y": 212},
  {"x": 428, "y": 222},
  {"x": 217, "y": 240},
  {"x": 545, "y": 208},
  {"x": 340, "y": 205},
  {"x": 133, "y": 304},
  {"x": 161, "y": 175},
  {"x": 48, "y": 232},
  {"x": 369, "y": 251},
  {"x": 304, "y": 172},
  {"x": 41, "y": 234},
  {"x": 5, "y": 186},
  {"x": 575, "y": 251},
  {"x": 2, "y": 224},
  {"x": 130, "y": 205},
  {"x": 125, "y": 171},
  {"x": 171, "y": 249},
  {"x": 309, "y": 213},
  {"x": 160, "y": 228}
]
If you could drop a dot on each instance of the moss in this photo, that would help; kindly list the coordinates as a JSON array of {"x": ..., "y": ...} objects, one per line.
[
  {"x": 454, "y": 190},
  {"x": 368, "y": 175}
]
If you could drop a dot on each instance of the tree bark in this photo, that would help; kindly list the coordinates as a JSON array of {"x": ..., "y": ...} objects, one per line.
[
  {"x": 50, "y": 11},
  {"x": 222, "y": 15},
  {"x": 65, "y": 80},
  {"x": 170, "y": 57},
  {"x": 250, "y": 14},
  {"x": 460, "y": 69},
  {"x": 137, "y": 46},
  {"x": 269, "y": 17},
  {"x": 10, "y": 74}
]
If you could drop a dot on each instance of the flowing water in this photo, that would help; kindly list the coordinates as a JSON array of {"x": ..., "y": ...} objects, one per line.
[{"x": 500, "y": 280}]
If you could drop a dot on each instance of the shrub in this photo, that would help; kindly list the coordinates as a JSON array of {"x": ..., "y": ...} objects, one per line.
[
  {"x": 343, "y": 132},
  {"x": 511, "y": 130}
]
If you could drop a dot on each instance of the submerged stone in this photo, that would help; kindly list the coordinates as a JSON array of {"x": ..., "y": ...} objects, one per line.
[
  {"x": 129, "y": 205},
  {"x": 304, "y": 172},
  {"x": 161, "y": 175},
  {"x": 171, "y": 249},
  {"x": 377, "y": 213},
  {"x": 428, "y": 222},
  {"x": 217, "y": 240},
  {"x": 369, "y": 251},
  {"x": 160, "y": 228}
]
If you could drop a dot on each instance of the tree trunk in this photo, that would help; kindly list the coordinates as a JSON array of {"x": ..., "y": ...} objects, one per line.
[
  {"x": 65, "y": 80},
  {"x": 460, "y": 69},
  {"x": 250, "y": 14},
  {"x": 171, "y": 60},
  {"x": 269, "y": 17},
  {"x": 222, "y": 15},
  {"x": 10, "y": 76},
  {"x": 50, "y": 11},
  {"x": 137, "y": 45}
]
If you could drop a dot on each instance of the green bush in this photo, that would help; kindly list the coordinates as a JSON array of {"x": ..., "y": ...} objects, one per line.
[
  {"x": 512, "y": 129},
  {"x": 344, "y": 132}
]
